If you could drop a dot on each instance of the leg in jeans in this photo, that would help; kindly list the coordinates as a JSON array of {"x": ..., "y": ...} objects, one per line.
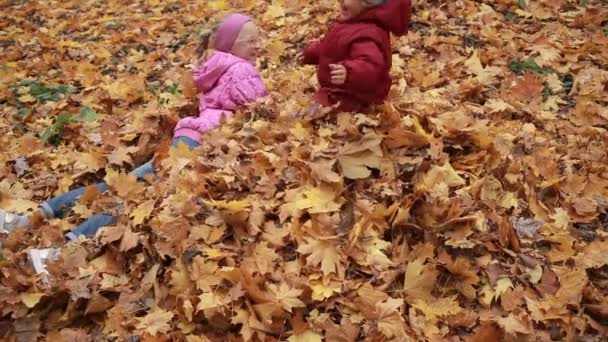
[
  {"x": 57, "y": 206},
  {"x": 92, "y": 225}
]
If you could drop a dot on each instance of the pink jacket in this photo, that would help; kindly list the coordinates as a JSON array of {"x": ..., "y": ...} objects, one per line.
[{"x": 225, "y": 83}]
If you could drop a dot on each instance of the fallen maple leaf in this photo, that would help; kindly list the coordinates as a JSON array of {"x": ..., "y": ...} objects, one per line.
[
  {"x": 31, "y": 299},
  {"x": 437, "y": 308},
  {"x": 156, "y": 321},
  {"x": 124, "y": 184},
  {"x": 514, "y": 325},
  {"x": 142, "y": 212},
  {"x": 322, "y": 253},
  {"x": 265, "y": 258},
  {"x": 487, "y": 332},
  {"x": 419, "y": 280},
  {"x": 286, "y": 296},
  {"x": 439, "y": 179},
  {"x": 307, "y": 336},
  {"x": 208, "y": 301},
  {"x": 129, "y": 240},
  {"x": 312, "y": 199}
]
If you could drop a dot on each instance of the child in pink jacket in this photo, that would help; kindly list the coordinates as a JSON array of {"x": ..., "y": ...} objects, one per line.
[{"x": 226, "y": 79}]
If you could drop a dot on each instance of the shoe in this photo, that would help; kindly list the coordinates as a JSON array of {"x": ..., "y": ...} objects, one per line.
[
  {"x": 10, "y": 221},
  {"x": 39, "y": 258}
]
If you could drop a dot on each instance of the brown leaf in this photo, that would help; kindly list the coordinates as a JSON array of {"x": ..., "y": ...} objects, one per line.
[
  {"x": 78, "y": 288},
  {"x": 98, "y": 304},
  {"x": 598, "y": 310},
  {"x": 75, "y": 335},
  {"x": 527, "y": 87},
  {"x": 487, "y": 332},
  {"x": 156, "y": 321},
  {"x": 111, "y": 234},
  {"x": 548, "y": 283},
  {"x": 129, "y": 240}
]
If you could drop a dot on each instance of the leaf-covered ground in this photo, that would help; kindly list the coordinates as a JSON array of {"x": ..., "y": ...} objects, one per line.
[{"x": 471, "y": 207}]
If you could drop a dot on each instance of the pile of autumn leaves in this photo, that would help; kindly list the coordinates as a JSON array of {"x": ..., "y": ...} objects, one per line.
[{"x": 452, "y": 212}]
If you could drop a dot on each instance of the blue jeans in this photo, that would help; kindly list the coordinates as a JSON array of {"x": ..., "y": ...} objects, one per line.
[{"x": 58, "y": 206}]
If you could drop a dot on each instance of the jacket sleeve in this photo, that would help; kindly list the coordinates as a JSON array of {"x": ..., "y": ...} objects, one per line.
[
  {"x": 365, "y": 66},
  {"x": 246, "y": 90},
  {"x": 311, "y": 53}
]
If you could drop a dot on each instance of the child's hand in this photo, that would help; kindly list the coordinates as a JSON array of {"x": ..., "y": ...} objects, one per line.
[{"x": 338, "y": 74}]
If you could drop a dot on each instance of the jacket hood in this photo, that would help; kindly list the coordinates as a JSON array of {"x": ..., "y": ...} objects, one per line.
[{"x": 393, "y": 16}]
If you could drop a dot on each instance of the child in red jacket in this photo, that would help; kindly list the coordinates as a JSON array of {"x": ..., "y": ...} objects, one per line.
[{"x": 354, "y": 58}]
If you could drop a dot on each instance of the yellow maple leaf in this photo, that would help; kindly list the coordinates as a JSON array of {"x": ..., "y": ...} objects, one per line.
[
  {"x": 374, "y": 248},
  {"x": 142, "y": 212},
  {"x": 219, "y": 5},
  {"x": 594, "y": 255},
  {"x": 438, "y": 180},
  {"x": 17, "y": 205},
  {"x": 535, "y": 274},
  {"x": 70, "y": 44},
  {"x": 473, "y": 63},
  {"x": 312, "y": 199},
  {"x": 514, "y": 325},
  {"x": 180, "y": 281},
  {"x": 286, "y": 296},
  {"x": 307, "y": 336},
  {"x": 265, "y": 257},
  {"x": 275, "y": 11},
  {"x": 124, "y": 184},
  {"x": 129, "y": 240},
  {"x": 498, "y": 105},
  {"x": 502, "y": 285},
  {"x": 484, "y": 75},
  {"x": 321, "y": 292},
  {"x": 129, "y": 88},
  {"x": 546, "y": 54},
  {"x": 208, "y": 301},
  {"x": 572, "y": 282},
  {"x": 122, "y": 155},
  {"x": 322, "y": 169},
  {"x": 419, "y": 279},
  {"x": 27, "y": 98},
  {"x": 357, "y": 166},
  {"x": 31, "y": 299},
  {"x": 275, "y": 50},
  {"x": 321, "y": 252},
  {"x": 156, "y": 321},
  {"x": 234, "y": 206},
  {"x": 442, "y": 307}
]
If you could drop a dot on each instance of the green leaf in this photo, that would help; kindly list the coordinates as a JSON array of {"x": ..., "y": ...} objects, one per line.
[
  {"x": 47, "y": 134},
  {"x": 522, "y": 4},
  {"x": 62, "y": 119},
  {"x": 86, "y": 115},
  {"x": 44, "y": 92},
  {"x": 519, "y": 67}
]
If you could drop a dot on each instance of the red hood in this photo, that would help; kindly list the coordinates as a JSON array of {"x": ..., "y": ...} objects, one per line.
[{"x": 393, "y": 16}]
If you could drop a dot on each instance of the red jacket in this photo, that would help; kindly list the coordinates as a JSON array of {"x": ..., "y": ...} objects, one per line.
[{"x": 363, "y": 46}]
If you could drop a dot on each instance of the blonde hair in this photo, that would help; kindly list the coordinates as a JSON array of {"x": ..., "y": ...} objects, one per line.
[{"x": 206, "y": 40}]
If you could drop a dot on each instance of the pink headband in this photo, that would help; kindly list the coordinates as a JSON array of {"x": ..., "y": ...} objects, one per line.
[{"x": 229, "y": 30}]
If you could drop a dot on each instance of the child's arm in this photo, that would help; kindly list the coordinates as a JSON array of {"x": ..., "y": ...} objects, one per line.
[
  {"x": 365, "y": 65},
  {"x": 246, "y": 91},
  {"x": 311, "y": 53},
  {"x": 248, "y": 88}
]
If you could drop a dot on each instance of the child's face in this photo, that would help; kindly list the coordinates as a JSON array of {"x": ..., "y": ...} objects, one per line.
[
  {"x": 352, "y": 8},
  {"x": 248, "y": 44}
]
